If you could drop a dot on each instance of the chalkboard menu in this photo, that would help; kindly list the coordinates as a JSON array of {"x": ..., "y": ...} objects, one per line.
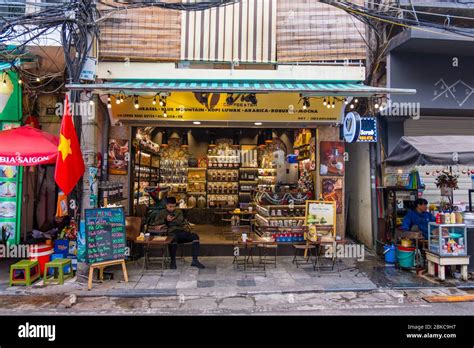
[{"x": 105, "y": 234}]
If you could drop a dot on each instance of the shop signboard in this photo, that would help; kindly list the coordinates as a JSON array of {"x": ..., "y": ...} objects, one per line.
[
  {"x": 320, "y": 217},
  {"x": 359, "y": 129},
  {"x": 368, "y": 130},
  {"x": 189, "y": 106},
  {"x": 10, "y": 198},
  {"x": 105, "y": 234},
  {"x": 10, "y": 97}
]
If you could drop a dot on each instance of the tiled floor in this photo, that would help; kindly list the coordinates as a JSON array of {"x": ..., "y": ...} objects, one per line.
[{"x": 222, "y": 277}]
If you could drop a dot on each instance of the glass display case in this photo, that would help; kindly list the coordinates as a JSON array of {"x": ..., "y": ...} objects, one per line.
[{"x": 447, "y": 239}]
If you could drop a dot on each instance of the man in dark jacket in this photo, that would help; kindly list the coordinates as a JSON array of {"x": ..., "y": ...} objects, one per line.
[{"x": 173, "y": 218}]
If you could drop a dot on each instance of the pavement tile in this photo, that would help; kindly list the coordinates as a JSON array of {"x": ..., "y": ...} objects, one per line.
[
  {"x": 205, "y": 283},
  {"x": 186, "y": 284},
  {"x": 246, "y": 282}
]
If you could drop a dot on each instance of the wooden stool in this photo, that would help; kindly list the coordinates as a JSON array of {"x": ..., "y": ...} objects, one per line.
[
  {"x": 442, "y": 261},
  {"x": 305, "y": 247},
  {"x": 59, "y": 265},
  {"x": 30, "y": 270},
  {"x": 100, "y": 267}
]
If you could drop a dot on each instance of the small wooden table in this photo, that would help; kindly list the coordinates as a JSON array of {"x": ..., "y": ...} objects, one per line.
[
  {"x": 258, "y": 242},
  {"x": 335, "y": 260},
  {"x": 442, "y": 261},
  {"x": 158, "y": 243}
]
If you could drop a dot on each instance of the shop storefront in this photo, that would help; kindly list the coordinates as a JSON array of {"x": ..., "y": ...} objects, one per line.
[{"x": 227, "y": 148}]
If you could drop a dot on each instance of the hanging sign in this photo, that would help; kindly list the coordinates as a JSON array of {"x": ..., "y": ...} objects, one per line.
[
  {"x": 368, "y": 130},
  {"x": 351, "y": 127},
  {"x": 359, "y": 129}
]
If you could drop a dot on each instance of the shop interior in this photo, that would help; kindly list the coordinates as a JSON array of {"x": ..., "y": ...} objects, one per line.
[{"x": 217, "y": 174}]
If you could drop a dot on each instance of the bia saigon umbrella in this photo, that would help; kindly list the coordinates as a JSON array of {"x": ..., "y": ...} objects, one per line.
[{"x": 27, "y": 146}]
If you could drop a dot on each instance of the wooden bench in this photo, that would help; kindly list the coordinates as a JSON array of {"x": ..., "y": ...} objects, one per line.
[
  {"x": 442, "y": 261},
  {"x": 101, "y": 265}
]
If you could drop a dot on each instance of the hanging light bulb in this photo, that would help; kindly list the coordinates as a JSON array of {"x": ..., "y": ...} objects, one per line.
[
  {"x": 38, "y": 79},
  {"x": 164, "y": 139},
  {"x": 268, "y": 136},
  {"x": 165, "y": 114},
  {"x": 324, "y": 102},
  {"x": 117, "y": 100},
  {"x": 108, "y": 97},
  {"x": 306, "y": 103},
  {"x": 91, "y": 102},
  {"x": 20, "y": 81},
  {"x": 236, "y": 140},
  {"x": 352, "y": 106},
  {"x": 154, "y": 100},
  {"x": 261, "y": 140},
  {"x": 376, "y": 106},
  {"x": 333, "y": 105},
  {"x": 184, "y": 139},
  {"x": 356, "y": 100},
  {"x": 137, "y": 105},
  {"x": 346, "y": 101},
  {"x": 328, "y": 103},
  {"x": 109, "y": 105},
  {"x": 212, "y": 141}
]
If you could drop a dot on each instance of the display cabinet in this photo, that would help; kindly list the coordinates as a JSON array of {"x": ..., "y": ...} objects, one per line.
[{"x": 447, "y": 239}]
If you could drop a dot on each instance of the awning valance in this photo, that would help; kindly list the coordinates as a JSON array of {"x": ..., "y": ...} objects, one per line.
[
  {"x": 305, "y": 87},
  {"x": 433, "y": 150}
]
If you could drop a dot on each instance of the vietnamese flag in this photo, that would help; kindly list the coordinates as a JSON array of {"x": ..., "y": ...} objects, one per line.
[{"x": 69, "y": 163}]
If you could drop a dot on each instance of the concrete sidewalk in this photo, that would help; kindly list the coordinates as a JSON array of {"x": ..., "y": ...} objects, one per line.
[{"x": 221, "y": 278}]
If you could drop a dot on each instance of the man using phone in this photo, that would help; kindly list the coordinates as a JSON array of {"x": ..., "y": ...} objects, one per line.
[{"x": 173, "y": 218}]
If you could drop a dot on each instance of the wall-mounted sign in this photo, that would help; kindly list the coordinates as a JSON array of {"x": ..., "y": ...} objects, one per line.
[
  {"x": 189, "y": 106},
  {"x": 351, "y": 127},
  {"x": 368, "y": 130},
  {"x": 359, "y": 129}
]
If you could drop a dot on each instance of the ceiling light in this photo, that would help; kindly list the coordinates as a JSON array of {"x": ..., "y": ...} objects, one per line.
[
  {"x": 196, "y": 122},
  {"x": 258, "y": 123}
]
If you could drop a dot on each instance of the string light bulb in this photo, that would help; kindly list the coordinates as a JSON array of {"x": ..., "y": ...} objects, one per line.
[
  {"x": 154, "y": 100},
  {"x": 352, "y": 106},
  {"x": 324, "y": 102},
  {"x": 136, "y": 103},
  {"x": 91, "y": 102},
  {"x": 356, "y": 100},
  {"x": 20, "y": 81},
  {"x": 38, "y": 79},
  {"x": 306, "y": 103}
]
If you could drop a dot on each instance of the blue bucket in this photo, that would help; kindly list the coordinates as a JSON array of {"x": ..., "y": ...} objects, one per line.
[{"x": 390, "y": 252}]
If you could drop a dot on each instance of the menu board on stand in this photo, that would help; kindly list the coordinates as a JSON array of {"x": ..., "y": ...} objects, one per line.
[{"x": 105, "y": 235}]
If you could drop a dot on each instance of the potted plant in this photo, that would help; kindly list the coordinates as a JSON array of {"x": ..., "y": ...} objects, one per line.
[{"x": 447, "y": 183}]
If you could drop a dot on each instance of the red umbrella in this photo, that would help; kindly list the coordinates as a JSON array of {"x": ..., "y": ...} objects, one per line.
[{"x": 27, "y": 146}]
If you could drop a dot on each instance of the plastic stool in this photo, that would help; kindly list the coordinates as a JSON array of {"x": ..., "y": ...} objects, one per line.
[
  {"x": 60, "y": 265},
  {"x": 29, "y": 270}
]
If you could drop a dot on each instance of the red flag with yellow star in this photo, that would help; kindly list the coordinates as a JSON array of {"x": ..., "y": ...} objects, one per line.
[{"x": 69, "y": 163}]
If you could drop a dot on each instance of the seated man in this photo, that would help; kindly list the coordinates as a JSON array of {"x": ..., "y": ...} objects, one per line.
[
  {"x": 418, "y": 218},
  {"x": 173, "y": 218}
]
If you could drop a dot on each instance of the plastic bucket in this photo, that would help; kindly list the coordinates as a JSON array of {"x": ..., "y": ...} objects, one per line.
[
  {"x": 406, "y": 257},
  {"x": 390, "y": 253},
  {"x": 41, "y": 253}
]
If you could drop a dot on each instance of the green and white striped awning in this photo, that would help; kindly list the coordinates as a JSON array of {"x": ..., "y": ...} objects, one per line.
[{"x": 305, "y": 87}]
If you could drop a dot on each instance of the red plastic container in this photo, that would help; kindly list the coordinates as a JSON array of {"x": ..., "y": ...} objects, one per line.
[
  {"x": 42, "y": 253},
  {"x": 402, "y": 248}
]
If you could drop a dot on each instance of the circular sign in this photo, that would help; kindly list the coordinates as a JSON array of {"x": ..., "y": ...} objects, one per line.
[{"x": 351, "y": 127}]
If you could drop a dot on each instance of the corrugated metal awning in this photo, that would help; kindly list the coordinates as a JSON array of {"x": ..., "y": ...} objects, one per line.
[{"x": 305, "y": 87}]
